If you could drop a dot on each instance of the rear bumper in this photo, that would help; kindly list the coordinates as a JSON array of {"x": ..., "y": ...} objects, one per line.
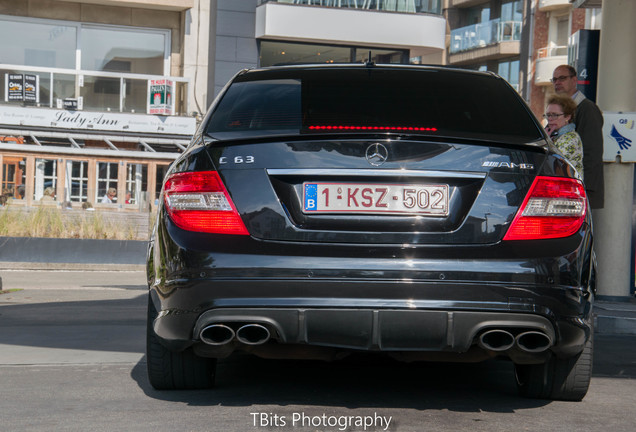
[
  {"x": 370, "y": 297},
  {"x": 420, "y": 322}
]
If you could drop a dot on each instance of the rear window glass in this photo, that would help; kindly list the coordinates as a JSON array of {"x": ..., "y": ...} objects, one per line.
[{"x": 448, "y": 103}]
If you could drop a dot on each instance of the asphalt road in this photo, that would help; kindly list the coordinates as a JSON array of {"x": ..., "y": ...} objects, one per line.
[{"x": 71, "y": 359}]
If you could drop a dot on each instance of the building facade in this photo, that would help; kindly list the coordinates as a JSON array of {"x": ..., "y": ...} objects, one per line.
[
  {"x": 486, "y": 35},
  {"x": 554, "y": 23},
  {"x": 104, "y": 94},
  {"x": 251, "y": 33},
  {"x": 97, "y": 95}
]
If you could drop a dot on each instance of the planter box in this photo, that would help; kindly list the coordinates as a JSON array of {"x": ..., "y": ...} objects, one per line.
[{"x": 55, "y": 253}]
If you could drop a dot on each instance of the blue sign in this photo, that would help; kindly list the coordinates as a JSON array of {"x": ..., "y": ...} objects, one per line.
[{"x": 619, "y": 135}]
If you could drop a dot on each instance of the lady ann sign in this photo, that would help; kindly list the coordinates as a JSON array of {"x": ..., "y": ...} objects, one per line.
[{"x": 113, "y": 122}]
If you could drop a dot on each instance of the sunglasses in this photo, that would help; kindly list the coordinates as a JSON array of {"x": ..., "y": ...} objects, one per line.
[
  {"x": 552, "y": 115},
  {"x": 561, "y": 78}
]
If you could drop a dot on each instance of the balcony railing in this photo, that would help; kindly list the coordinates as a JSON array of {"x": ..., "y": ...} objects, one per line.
[
  {"x": 553, "y": 51},
  {"x": 548, "y": 58},
  {"x": 100, "y": 91},
  {"x": 408, "y": 6},
  {"x": 484, "y": 34}
]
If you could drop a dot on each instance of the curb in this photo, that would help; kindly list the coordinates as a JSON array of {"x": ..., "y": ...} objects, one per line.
[
  {"x": 615, "y": 318},
  {"x": 60, "y": 253},
  {"x": 608, "y": 325},
  {"x": 24, "y": 266}
]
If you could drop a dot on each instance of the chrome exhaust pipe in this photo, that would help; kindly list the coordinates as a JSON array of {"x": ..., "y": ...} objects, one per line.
[
  {"x": 496, "y": 340},
  {"x": 533, "y": 341},
  {"x": 253, "y": 334},
  {"x": 217, "y": 334}
]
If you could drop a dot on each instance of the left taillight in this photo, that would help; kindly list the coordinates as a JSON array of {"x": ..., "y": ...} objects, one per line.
[
  {"x": 554, "y": 207},
  {"x": 198, "y": 201}
]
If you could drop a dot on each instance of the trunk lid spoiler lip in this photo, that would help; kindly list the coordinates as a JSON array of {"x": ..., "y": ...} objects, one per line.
[
  {"x": 539, "y": 145},
  {"x": 375, "y": 173}
]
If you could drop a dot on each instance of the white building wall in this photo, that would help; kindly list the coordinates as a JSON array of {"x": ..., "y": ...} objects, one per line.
[
  {"x": 350, "y": 26},
  {"x": 195, "y": 54}
]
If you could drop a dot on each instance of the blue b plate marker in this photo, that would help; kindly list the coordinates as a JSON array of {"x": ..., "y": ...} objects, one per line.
[{"x": 311, "y": 197}]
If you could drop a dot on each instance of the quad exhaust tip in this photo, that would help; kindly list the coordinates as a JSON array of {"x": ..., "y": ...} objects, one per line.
[
  {"x": 533, "y": 341},
  {"x": 253, "y": 334},
  {"x": 222, "y": 334},
  {"x": 217, "y": 334},
  {"x": 498, "y": 340}
]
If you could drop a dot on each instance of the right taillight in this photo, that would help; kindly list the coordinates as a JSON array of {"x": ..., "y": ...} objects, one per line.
[
  {"x": 198, "y": 201},
  {"x": 554, "y": 207}
]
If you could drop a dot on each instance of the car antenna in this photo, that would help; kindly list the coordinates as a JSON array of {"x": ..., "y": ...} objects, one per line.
[{"x": 369, "y": 62}]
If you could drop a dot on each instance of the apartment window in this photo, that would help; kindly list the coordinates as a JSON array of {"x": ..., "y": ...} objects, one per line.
[
  {"x": 107, "y": 177},
  {"x": 38, "y": 43},
  {"x": 512, "y": 11},
  {"x": 123, "y": 50},
  {"x": 45, "y": 184},
  {"x": 562, "y": 30},
  {"x": 76, "y": 186},
  {"x": 477, "y": 14},
  {"x": 509, "y": 70},
  {"x": 49, "y": 43}
]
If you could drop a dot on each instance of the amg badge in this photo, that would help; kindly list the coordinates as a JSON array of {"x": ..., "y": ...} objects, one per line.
[{"x": 511, "y": 165}]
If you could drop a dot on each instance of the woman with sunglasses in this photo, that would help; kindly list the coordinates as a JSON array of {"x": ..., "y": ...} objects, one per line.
[{"x": 560, "y": 116}]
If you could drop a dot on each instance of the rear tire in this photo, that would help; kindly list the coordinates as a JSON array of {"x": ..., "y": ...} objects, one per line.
[
  {"x": 559, "y": 379},
  {"x": 168, "y": 370}
]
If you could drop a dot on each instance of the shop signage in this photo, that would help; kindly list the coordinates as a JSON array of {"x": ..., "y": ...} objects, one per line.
[
  {"x": 160, "y": 100},
  {"x": 21, "y": 88},
  {"x": 31, "y": 85},
  {"x": 14, "y": 90},
  {"x": 619, "y": 136},
  {"x": 95, "y": 121},
  {"x": 71, "y": 104}
]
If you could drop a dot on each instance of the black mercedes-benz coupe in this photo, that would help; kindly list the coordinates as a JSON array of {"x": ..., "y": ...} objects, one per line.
[{"x": 419, "y": 212}]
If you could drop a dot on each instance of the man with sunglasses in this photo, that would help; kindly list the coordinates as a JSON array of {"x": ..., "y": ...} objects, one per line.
[{"x": 589, "y": 125}]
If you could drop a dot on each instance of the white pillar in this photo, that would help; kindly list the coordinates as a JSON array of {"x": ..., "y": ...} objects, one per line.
[{"x": 616, "y": 92}]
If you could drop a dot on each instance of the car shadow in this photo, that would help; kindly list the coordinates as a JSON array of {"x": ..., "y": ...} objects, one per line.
[
  {"x": 243, "y": 380},
  {"x": 360, "y": 381},
  {"x": 369, "y": 381}
]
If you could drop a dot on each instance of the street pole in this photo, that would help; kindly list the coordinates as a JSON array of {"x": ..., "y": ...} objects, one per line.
[{"x": 616, "y": 93}]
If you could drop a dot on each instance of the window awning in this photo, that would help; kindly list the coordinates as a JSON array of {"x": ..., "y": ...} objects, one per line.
[{"x": 123, "y": 145}]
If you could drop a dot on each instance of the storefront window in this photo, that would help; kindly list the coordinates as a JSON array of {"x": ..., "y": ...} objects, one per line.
[
  {"x": 136, "y": 184},
  {"x": 107, "y": 178},
  {"x": 161, "y": 173},
  {"x": 76, "y": 181},
  {"x": 381, "y": 55},
  {"x": 276, "y": 53},
  {"x": 45, "y": 184},
  {"x": 13, "y": 177}
]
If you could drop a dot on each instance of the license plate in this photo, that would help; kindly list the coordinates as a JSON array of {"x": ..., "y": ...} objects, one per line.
[{"x": 372, "y": 198}]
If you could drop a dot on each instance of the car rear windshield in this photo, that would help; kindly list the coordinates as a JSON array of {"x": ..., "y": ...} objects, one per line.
[{"x": 427, "y": 101}]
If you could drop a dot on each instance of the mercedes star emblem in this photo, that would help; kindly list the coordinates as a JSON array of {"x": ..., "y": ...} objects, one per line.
[{"x": 377, "y": 154}]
